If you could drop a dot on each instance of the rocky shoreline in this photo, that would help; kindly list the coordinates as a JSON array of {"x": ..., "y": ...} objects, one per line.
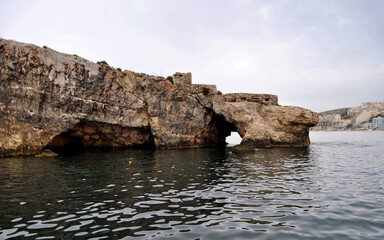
[{"x": 52, "y": 99}]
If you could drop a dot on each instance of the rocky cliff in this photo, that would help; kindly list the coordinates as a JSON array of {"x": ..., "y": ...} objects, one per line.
[{"x": 52, "y": 99}]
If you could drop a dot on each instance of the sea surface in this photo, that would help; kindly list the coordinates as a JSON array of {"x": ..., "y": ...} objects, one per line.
[{"x": 334, "y": 189}]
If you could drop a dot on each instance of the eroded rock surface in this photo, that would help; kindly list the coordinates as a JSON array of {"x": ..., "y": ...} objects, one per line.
[
  {"x": 54, "y": 99},
  {"x": 267, "y": 126}
]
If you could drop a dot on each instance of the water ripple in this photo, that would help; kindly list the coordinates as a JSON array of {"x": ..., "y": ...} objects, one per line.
[{"x": 321, "y": 192}]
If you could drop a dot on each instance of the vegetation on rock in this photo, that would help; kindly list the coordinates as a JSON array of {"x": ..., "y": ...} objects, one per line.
[
  {"x": 102, "y": 62},
  {"x": 170, "y": 79},
  {"x": 257, "y": 101},
  {"x": 205, "y": 91}
]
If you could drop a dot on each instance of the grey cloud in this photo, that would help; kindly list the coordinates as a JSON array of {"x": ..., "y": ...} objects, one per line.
[{"x": 320, "y": 54}]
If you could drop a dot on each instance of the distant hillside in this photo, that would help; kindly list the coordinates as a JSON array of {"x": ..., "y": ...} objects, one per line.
[{"x": 341, "y": 111}]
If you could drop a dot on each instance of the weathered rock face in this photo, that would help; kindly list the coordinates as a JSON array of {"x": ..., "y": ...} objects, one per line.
[
  {"x": 267, "y": 126},
  {"x": 44, "y": 93},
  {"x": 53, "y": 99},
  {"x": 284, "y": 126}
]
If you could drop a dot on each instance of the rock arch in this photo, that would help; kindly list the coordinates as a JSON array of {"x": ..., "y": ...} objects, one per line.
[{"x": 52, "y": 99}]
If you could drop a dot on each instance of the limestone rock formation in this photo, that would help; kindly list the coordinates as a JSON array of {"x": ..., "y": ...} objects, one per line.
[
  {"x": 51, "y": 99},
  {"x": 267, "y": 126}
]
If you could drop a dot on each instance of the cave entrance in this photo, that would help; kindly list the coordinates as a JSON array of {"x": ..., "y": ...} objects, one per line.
[
  {"x": 227, "y": 132},
  {"x": 233, "y": 139},
  {"x": 90, "y": 134},
  {"x": 65, "y": 141}
]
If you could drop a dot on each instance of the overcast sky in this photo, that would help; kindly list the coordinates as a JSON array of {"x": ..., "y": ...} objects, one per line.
[{"x": 318, "y": 54}]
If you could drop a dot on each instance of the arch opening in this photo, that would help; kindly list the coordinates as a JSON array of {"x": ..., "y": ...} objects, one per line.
[
  {"x": 233, "y": 139},
  {"x": 227, "y": 132}
]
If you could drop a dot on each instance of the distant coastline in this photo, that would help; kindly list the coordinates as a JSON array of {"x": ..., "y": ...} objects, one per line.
[
  {"x": 367, "y": 116},
  {"x": 314, "y": 129}
]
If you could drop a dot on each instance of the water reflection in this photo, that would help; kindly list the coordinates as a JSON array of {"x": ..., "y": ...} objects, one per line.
[{"x": 195, "y": 193}]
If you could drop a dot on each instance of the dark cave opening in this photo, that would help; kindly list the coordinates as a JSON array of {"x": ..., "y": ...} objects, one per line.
[
  {"x": 224, "y": 129},
  {"x": 91, "y": 134}
]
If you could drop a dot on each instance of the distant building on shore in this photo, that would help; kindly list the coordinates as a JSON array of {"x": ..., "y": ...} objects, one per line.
[{"x": 377, "y": 122}]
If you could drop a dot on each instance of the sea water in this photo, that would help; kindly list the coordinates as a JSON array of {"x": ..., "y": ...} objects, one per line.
[{"x": 333, "y": 189}]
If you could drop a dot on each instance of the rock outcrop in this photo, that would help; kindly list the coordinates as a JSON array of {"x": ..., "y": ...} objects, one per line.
[
  {"x": 51, "y": 99},
  {"x": 267, "y": 126}
]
